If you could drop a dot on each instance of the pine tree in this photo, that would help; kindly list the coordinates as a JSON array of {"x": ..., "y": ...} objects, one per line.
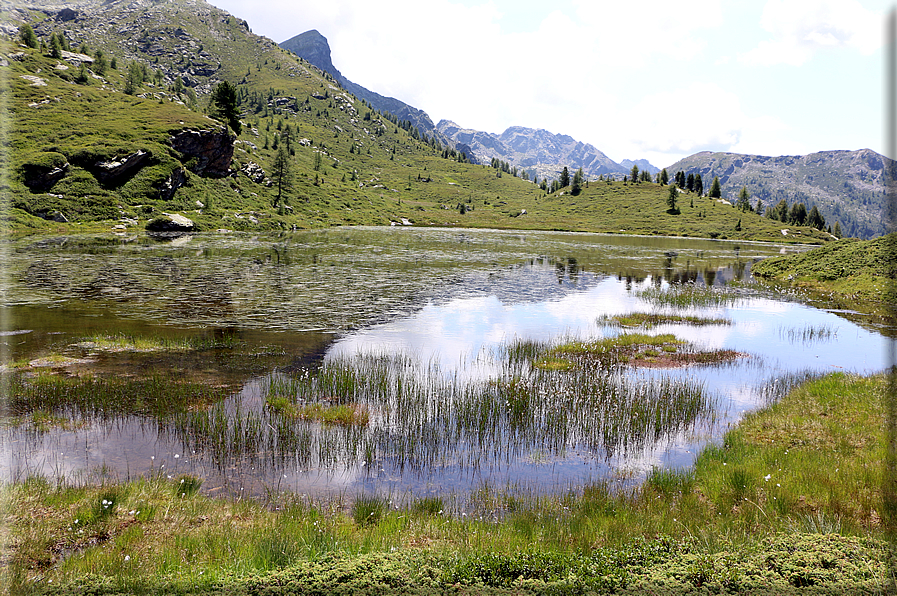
[
  {"x": 715, "y": 190},
  {"x": 671, "y": 198},
  {"x": 690, "y": 182},
  {"x": 26, "y": 34},
  {"x": 744, "y": 200},
  {"x": 837, "y": 231},
  {"x": 798, "y": 214},
  {"x": 699, "y": 185},
  {"x": 633, "y": 175},
  {"x": 55, "y": 46},
  {"x": 224, "y": 106},
  {"x": 565, "y": 178},
  {"x": 664, "y": 177},
  {"x": 577, "y": 182},
  {"x": 282, "y": 172}
]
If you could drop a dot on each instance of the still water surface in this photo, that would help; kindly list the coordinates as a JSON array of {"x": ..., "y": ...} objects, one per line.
[{"x": 446, "y": 299}]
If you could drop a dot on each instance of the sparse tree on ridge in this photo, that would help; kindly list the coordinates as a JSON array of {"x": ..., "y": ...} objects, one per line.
[
  {"x": 576, "y": 187},
  {"x": 565, "y": 178},
  {"x": 690, "y": 183},
  {"x": 715, "y": 190},
  {"x": 798, "y": 214},
  {"x": 672, "y": 197},
  {"x": 744, "y": 200},
  {"x": 664, "y": 177},
  {"x": 699, "y": 185},
  {"x": 633, "y": 175}
]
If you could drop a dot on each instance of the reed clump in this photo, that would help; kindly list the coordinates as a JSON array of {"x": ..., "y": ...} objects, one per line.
[{"x": 650, "y": 320}]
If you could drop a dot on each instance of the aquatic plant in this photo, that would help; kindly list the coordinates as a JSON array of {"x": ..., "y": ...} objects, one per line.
[
  {"x": 649, "y": 320},
  {"x": 690, "y": 296}
]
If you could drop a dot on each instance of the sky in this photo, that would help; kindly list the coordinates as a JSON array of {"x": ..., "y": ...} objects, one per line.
[{"x": 655, "y": 80}]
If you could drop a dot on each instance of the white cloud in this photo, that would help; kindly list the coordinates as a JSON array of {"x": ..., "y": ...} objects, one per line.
[{"x": 800, "y": 29}]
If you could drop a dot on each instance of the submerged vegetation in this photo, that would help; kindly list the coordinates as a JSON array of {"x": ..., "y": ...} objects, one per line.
[{"x": 790, "y": 499}]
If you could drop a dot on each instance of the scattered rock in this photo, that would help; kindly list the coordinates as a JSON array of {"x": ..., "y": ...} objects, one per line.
[
  {"x": 255, "y": 172},
  {"x": 35, "y": 81}
]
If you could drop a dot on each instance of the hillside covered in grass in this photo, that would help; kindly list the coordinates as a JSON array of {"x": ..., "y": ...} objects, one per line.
[
  {"x": 118, "y": 126},
  {"x": 851, "y": 268}
]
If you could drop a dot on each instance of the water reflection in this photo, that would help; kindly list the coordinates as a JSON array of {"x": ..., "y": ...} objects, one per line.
[{"x": 448, "y": 299}]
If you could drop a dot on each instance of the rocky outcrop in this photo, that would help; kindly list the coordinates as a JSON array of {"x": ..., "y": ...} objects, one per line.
[
  {"x": 117, "y": 171},
  {"x": 206, "y": 152},
  {"x": 170, "y": 223},
  {"x": 255, "y": 173},
  {"x": 176, "y": 179},
  {"x": 41, "y": 179}
]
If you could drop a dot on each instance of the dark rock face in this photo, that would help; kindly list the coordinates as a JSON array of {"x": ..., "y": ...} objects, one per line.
[
  {"x": 176, "y": 180},
  {"x": 41, "y": 179},
  {"x": 208, "y": 153},
  {"x": 120, "y": 170},
  {"x": 67, "y": 14}
]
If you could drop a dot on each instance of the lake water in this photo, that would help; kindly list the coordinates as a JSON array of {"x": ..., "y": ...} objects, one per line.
[{"x": 444, "y": 303}]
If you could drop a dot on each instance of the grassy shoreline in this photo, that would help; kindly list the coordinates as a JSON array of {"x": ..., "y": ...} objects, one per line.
[
  {"x": 789, "y": 502},
  {"x": 849, "y": 269}
]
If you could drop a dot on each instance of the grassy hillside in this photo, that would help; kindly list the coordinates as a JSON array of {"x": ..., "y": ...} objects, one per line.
[
  {"x": 350, "y": 164},
  {"x": 850, "y": 268}
]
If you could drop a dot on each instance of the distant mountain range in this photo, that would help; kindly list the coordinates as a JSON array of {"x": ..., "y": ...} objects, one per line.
[
  {"x": 536, "y": 151},
  {"x": 846, "y": 186}
]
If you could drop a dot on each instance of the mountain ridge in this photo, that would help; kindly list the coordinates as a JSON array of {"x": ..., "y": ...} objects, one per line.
[{"x": 846, "y": 186}]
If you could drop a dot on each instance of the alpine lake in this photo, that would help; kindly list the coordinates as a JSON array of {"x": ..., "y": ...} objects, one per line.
[{"x": 396, "y": 361}]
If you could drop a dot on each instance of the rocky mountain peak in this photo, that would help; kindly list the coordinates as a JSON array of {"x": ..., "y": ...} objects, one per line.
[{"x": 313, "y": 46}]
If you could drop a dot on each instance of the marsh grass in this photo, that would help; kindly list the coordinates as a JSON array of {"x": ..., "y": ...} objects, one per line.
[
  {"x": 649, "y": 320},
  {"x": 808, "y": 334},
  {"x": 789, "y": 496},
  {"x": 690, "y": 296},
  {"x": 135, "y": 343}
]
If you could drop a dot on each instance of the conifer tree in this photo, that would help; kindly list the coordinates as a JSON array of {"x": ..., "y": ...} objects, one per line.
[
  {"x": 715, "y": 190},
  {"x": 699, "y": 185},
  {"x": 224, "y": 106},
  {"x": 633, "y": 175},
  {"x": 671, "y": 198},
  {"x": 565, "y": 178},
  {"x": 664, "y": 177},
  {"x": 26, "y": 34},
  {"x": 577, "y": 182}
]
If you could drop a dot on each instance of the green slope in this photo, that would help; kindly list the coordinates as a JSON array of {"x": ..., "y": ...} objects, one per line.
[
  {"x": 850, "y": 268},
  {"x": 351, "y": 164}
]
